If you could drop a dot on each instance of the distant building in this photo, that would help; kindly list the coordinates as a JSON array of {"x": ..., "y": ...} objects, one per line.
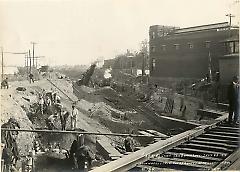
[
  {"x": 129, "y": 63},
  {"x": 189, "y": 52}
]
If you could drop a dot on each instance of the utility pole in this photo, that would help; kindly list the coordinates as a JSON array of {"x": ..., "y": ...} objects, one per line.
[
  {"x": 26, "y": 56},
  {"x": 33, "y": 45},
  {"x": 2, "y": 64},
  {"x": 30, "y": 61}
]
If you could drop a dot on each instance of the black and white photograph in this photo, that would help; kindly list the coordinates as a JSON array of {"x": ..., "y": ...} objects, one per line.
[{"x": 119, "y": 85}]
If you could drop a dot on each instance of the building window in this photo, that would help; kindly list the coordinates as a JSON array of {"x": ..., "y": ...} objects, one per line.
[
  {"x": 236, "y": 47},
  {"x": 153, "y": 49},
  {"x": 207, "y": 44},
  {"x": 190, "y": 45},
  {"x": 231, "y": 47},
  {"x": 177, "y": 46},
  {"x": 164, "y": 47},
  {"x": 153, "y": 63},
  {"x": 153, "y": 35}
]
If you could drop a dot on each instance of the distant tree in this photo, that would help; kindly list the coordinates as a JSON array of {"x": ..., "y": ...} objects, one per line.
[{"x": 22, "y": 71}]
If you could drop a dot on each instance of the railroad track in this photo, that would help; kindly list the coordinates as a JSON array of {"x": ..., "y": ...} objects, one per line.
[
  {"x": 204, "y": 152},
  {"x": 208, "y": 147}
]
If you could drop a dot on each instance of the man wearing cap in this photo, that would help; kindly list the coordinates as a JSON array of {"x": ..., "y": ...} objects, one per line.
[
  {"x": 233, "y": 99},
  {"x": 74, "y": 115}
]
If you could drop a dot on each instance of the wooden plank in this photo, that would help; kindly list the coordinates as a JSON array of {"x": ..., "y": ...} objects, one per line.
[
  {"x": 107, "y": 150},
  {"x": 146, "y": 133},
  {"x": 156, "y": 133},
  {"x": 184, "y": 162},
  {"x": 214, "y": 113},
  {"x": 206, "y": 147},
  {"x": 221, "y": 137},
  {"x": 191, "y": 156},
  {"x": 217, "y": 140},
  {"x": 230, "y": 125},
  {"x": 214, "y": 144},
  {"x": 204, "y": 152},
  {"x": 228, "y": 128},
  {"x": 224, "y": 133}
]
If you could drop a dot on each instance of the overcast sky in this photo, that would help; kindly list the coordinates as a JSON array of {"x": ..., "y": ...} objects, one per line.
[{"x": 79, "y": 31}]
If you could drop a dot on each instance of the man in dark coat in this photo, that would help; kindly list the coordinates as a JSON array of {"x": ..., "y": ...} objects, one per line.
[
  {"x": 63, "y": 117},
  {"x": 31, "y": 78},
  {"x": 81, "y": 154},
  {"x": 9, "y": 138},
  {"x": 233, "y": 99}
]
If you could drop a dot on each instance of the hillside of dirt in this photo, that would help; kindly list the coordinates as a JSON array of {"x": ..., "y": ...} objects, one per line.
[{"x": 102, "y": 109}]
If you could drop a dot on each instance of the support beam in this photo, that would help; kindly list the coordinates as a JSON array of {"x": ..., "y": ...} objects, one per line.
[{"x": 76, "y": 132}]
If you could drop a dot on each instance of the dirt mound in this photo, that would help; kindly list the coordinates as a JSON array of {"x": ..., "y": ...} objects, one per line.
[{"x": 10, "y": 107}]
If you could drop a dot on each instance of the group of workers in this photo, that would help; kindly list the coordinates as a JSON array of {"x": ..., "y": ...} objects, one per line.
[{"x": 50, "y": 103}]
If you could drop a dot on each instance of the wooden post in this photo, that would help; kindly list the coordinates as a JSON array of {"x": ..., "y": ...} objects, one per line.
[
  {"x": 30, "y": 62},
  {"x": 2, "y": 65}
]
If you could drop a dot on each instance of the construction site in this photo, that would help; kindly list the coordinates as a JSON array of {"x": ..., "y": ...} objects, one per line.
[
  {"x": 167, "y": 130},
  {"x": 171, "y": 105}
]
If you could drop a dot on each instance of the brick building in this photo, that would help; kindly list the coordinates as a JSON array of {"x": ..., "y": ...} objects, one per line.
[
  {"x": 188, "y": 52},
  {"x": 229, "y": 62}
]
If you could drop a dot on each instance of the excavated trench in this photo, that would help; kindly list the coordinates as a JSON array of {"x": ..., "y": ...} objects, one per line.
[{"x": 137, "y": 119}]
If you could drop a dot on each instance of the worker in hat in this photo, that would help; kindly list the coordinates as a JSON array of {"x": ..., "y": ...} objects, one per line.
[
  {"x": 74, "y": 115},
  {"x": 233, "y": 99}
]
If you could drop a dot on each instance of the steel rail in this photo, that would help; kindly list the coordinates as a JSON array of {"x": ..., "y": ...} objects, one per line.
[{"x": 132, "y": 160}]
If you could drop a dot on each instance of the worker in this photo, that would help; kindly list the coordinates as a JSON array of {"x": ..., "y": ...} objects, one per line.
[
  {"x": 58, "y": 108},
  {"x": 54, "y": 94},
  {"x": 50, "y": 122},
  {"x": 72, "y": 154},
  {"x": 48, "y": 102},
  {"x": 57, "y": 99},
  {"x": 31, "y": 78},
  {"x": 9, "y": 139},
  {"x": 84, "y": 155},
  {"x": 7, "y": 157},
  {"x": 233, "y": 99},
  {"x": 4, "y": 84},
  {"x": 128, "y": 143},
  {"x": 41, "y": 104},
  {"x": 63, "y": 117},
  {"x": 74, "y": 115}
]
